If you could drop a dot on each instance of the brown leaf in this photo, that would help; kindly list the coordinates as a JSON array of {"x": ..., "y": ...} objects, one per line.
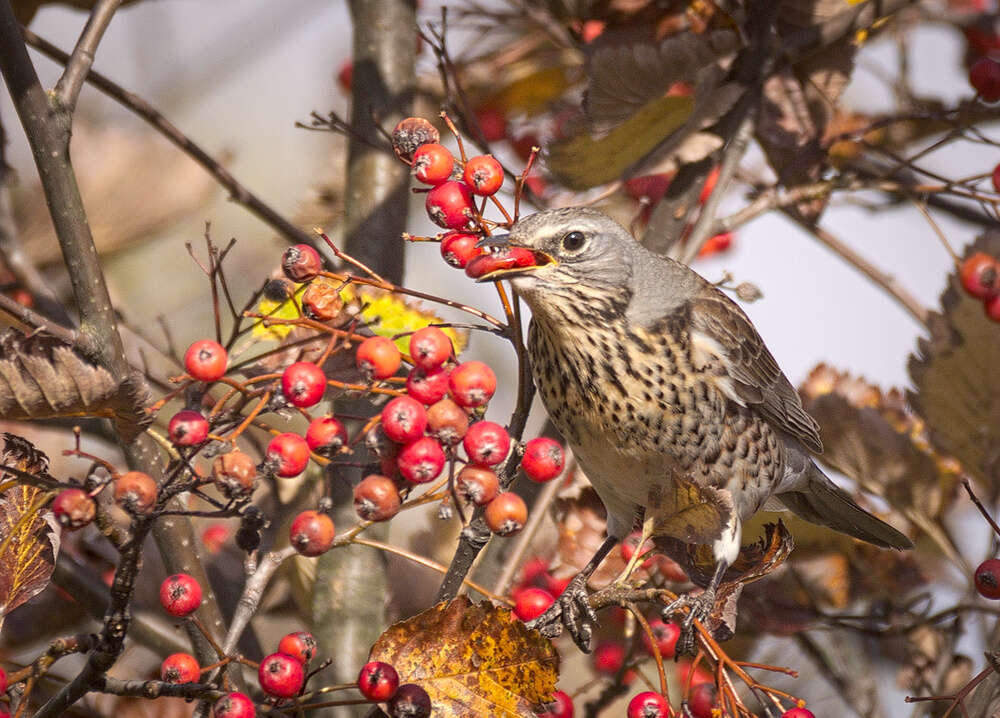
[
  {"x": 472, "y": 659},
  {"x": 29, "y": 537}
]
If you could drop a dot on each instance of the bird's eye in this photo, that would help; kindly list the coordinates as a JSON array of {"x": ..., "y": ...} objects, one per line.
[{"x": 574, "y": 241}]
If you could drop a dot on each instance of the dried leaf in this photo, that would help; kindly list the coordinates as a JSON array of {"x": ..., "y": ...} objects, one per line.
[
  {"x": 29, "y": 536},
  {"x": 472, "y": 660}
]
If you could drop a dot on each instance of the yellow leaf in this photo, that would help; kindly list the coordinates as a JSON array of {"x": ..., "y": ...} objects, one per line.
[{"x": 533, "y": 92}]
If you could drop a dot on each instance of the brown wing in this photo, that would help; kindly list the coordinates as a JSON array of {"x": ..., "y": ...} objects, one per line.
[{"x": 720, "y": 329}]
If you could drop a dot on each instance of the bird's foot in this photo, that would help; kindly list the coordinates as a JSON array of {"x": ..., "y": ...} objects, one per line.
[
  {"x": 699, "y": 609},
  {"x": 571, "y": 611}
]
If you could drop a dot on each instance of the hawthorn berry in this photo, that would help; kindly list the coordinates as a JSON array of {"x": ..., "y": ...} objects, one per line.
[
  {"x": 992, "y": 307},
  {"x": 206, "y": 360},
  {"x": 459, "y": 248},
  {"x": 630, "y": 544},
  {"x": 531, "y": 603},
  {"x": 376, "y": 498},
  {"x": 430, "y": 347},
  {"x": 3, "y": 681},
  {"x": 798, "y": 712},
  {"x": 450, "y": 205},
  {"x": 303, "y": 384},
  {"x": 288, "y": 453},
  {"x": 281, "y": 676},
  {"x": 996, "y": 179},
  {"x": 410, "y": 701},
  {"x": 345, "y": 76},
  {"x": 984, "y": 76},
  {"x": 378, "y": 357},
  {"x": 428, "y": 385},
  {"x": 486, "y": 443},
  {"x": 477, "y": 484},
  {"x": 472, "y": 384},
  {"x": 704, "y": 697},
  {"x": 432, "y": 163},
  {"x": 648, "y": 705},
  {"x": 684, "y": 674},
  {"x": 980, "y": 275},
  {"x": 421, "y": 461},
  {"x": 505, "y": 515},
  {"x": 492, "y": 122},
  {"x": 410, "y": 133},
  {"x": 988, "y": 578},
  {"x": 180, "y": 668},
  {"x": 234, "y": 705},
  {"x": 180, "y": 595},
  {"x": 483, "y": 175},
  {"x": 378, "y": 681},
  {"x": 187, "y": 428},
  {"x": 135, "y": 492},
  {"x": 447, "y": 422},
  {"x": 300, "y": 263},
  {"x": 300, "y": 645},
  {"x": 665, "y": 635},
  {"x": 214, "y": 537},
  {"x": 561, "y": 706},
  {"x": 321, "y": 301},
  {"x": 234, "y": 474},
  {"x": 543, "y": 459},
  {"x": 311, "y": 533},
  {"x": 326, "y": 435},
  {"x": 716, "y": 244},
  {"x": 709, "y": 186},
  {"x": 73, "y": 509},
  {"x": 503, "y": 259},
  {"x": 404, "y": 419},
  {"x": 670, "y": 569},
  {"x": 608, "y": 657}
]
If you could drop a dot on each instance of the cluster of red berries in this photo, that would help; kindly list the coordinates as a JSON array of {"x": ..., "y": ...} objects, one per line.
[
  {"x": 134, "y": 491},
  {"x": 984, "y": 76},
  {"x": 379, "y": 683},
  {"x": 980, "y": 277}
]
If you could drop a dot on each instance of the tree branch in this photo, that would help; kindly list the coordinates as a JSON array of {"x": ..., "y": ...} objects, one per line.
[{"x": 67, "y": 89}]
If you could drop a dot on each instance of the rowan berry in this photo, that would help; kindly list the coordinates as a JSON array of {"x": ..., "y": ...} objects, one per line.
[
  {"x": 432, "y": 163},
  {"x": 326, "y": 435},
  {"x": 648, "y": 705},
  {"x": 608, "y": 657},
  {"x": 378, "y": 358},
  {"x": 980, "y": 275},
  {"x": 187, "y": 428},
  {"x": 704, "y": 697},
  {"x": 486, "y": 443},
  {"x": 984, "y": 76},
  {"x": 234, "y": 474},
  {"x": 281, "y": 676},
  {"x": 988, "y": 578},
  {"x": 180, "y": 595},
  {"x": 234, "y": 705},
  {"x": 73, "y": 509},
  {"x": 531, "y": 603},
  {"x": 410, "y": 701},
  {"x": 376, "y": 498},
  {"x": 505, "y": 515},
  {"x": 321, "y": 301},
  {"x": 300, "y": 645},
  {"x": 428, "y": 385},
  {"x": 303, "y": 384},
  {"x": 180, "y": 668},
  {"x": 135, "y": 492},
  {"x": 206, "y": 360},
  {"x": 450, "y": 205},
  {"x": 447, "y": 422},
  {"x": 410, "y": 133},
  {"x": 300, "y": 263},
  {"x": 477, "y": 484},
  {"x": 472, "y": 384},
  {"x": 459, "y": 248},
  {"x": 287, "y": 454},
  {"x": 483, "y": 175},
  {"x": 798, "y": 712},
  {"x": 378, "y": 681},
  {"x": 430, "y": 347},
  {"x": 404, "y": 419},
  {"x": 543, "y": 459},
  {"x": 421, "y": 461},
  {"x": 311, "y": 533},
  {"x": 665, "y": 635}
]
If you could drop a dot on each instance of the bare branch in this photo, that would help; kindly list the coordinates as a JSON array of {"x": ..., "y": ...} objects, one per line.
[{"x": 67, "y": 89}]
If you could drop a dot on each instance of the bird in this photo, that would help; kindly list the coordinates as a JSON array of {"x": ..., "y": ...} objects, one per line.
[{"x": 673, "y": 406}]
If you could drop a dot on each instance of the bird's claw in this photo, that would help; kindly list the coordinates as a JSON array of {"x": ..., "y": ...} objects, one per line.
[
  {"x": 571, "y": 611},
  {"x": 700, "y": 608}
]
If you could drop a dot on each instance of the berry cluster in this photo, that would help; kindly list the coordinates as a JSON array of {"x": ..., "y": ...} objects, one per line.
[{"x": 980, "y": 277}]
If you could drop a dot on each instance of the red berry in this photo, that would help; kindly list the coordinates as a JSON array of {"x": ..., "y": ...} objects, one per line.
[
  {"x": 665, "y": 635},
  {"x": 428, "y": 385},
  {"x": 709, "y": 187},
  {"x": 648, "y": 705},
  {"x": 378, "y": 357},
  {"x": 410, "y": 701},
  {"x": 421, "y": 461},
  {"x": 996, "y": 179},
  {"x": 484, "y": 175},
  {"x": 214, "y": 537},
  {"x": 459, "y": 248},
  {"x": 698, "y": 677},
  {"x": 3, "y": 681},
  {"x": 410, "y": 134},
  {"x": 704, "y": 697},
  {"x": 798, "y": 712},
  {"x": 716, "y": 244},
  {"x": 477, "y": 484},
  {"x": 303, "y": 384},
  {"x": 345, "y": 76},
  {"x": 180, "y": 595},
  {"x": 430, "y": 348},
  {"x": 378, "y": 681},
  {"x": 300, "y": 262},
  {"x": 404, "y": 419},
  {"x": 322, "y": 301},
  {"x": 432, "y": 163},
  {"x": 503, "y": 259},
  {"x": 991, "y": 306},
  {"x": 562, "y": 707},
  {"x": 187, "y": 428},
  {"x": 608, "y": 657},
  {"x": 629, "y": 545},
  {"x": 980, "y": 275},
  {"x": 492, "y": 122},
  {"x": 326, "y": 435},
  {"x": 281, "y": 676},
  {"x": 447, "y": 422},
  {"x": 532, "y": 603},
  {"x": 984, "y": 76},
  {"x": 288, "y": 454},
  {"x": 180, "y": 668},
  {"x": 486, "y": 443},
  {"x": 234, "y": 474},
  {"x": 300, "y": 645},
  {"x": 650, "y": 188},
  {"x": 472, "y": 384},
  {"x": 988, "y": 578},
  {"x": 376, "y": 498},
  {"x": 450, "y": 205},
  {"x": 135, "y": 492},
  {"x": 543, "y": 459},
  {"x": 206, "y": 360},
  {"x": 311, "y": 533},
  {"x": 234, "y": 705},
  {"x": 505, "y": 515},
  {"x": 73, "y": 509}
]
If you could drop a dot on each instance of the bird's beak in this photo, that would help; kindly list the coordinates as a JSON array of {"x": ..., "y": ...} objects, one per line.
[{"x": 505, "y": 260}]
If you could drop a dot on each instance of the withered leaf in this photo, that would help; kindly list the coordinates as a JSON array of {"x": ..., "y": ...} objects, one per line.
[
  {"x": 472, "y": 659},
  {"x": 29, "y": 537}
]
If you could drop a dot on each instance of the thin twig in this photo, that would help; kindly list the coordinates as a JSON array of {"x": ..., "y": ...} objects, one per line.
[{"x": 68, "y": 87}]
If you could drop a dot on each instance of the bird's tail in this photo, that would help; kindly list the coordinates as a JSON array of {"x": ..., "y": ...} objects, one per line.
[{"x": 822, "y": 502}]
